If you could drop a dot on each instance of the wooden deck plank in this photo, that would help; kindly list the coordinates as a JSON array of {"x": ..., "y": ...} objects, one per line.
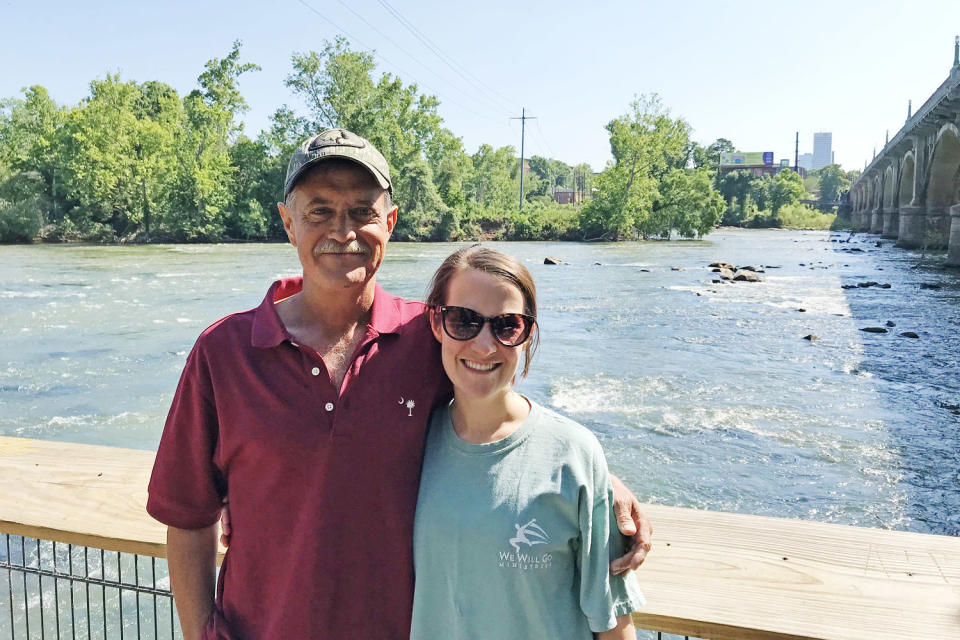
[{"x": 710, "y": 574}]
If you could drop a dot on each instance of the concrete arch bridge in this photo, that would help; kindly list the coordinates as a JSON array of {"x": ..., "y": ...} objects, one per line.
[{"x": 911, "y": 189}]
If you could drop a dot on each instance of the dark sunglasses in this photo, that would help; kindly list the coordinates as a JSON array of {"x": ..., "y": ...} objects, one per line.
[{"x": 510, "y": 329}]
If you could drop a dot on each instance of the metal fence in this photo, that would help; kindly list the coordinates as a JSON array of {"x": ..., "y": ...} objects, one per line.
[{"x": 57, "y": 590}]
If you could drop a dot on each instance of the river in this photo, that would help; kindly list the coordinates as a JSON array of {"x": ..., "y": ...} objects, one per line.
[{"x": 704, "y": 395}]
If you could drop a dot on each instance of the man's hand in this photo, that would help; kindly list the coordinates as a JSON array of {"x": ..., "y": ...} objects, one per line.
[
  {"x": 225, "y": 529},
  {"x": 632, "y": 522}
]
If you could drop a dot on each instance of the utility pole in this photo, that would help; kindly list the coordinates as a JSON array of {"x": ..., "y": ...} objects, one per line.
[
  {"x": 796, "y": 154},
  {"x": 523, "y": 122}
]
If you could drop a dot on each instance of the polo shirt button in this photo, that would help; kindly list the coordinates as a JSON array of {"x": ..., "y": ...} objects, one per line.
[
  {"x": 328, "y": 406},
  {"x": 315, "y": 371}
]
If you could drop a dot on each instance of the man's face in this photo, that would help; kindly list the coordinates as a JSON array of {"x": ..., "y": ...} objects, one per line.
[{"x": 339, "y": 222}]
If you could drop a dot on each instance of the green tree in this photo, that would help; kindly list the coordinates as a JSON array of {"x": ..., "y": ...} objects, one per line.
[
  {"x": 833, "y": 180},
  {"x": 122, "y": 160},
  {"x": 204, "y": 185},
  {"x": 257, "y": 187},
  {"x": 646, "y": 144},
  {"x": 709, "y": 157},
  {"x": 492, "y": 184},
  {"x": 423, "y": 208},
  {"x": 786, "y": 188},
  {"x": 33, "y": 139},
  {"x": 686, "y": 203}
]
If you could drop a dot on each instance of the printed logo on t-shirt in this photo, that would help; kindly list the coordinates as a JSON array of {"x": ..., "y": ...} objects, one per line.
[
  {"x": 410, "y": 404},
  {"x": 528, "y": 535}
]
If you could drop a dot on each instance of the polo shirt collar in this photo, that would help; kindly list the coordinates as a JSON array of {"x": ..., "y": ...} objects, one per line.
[{"x": 268, "y": 330}]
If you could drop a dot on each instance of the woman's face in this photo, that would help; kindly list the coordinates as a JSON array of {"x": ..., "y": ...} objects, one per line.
[{"x": 481, "y": 367}]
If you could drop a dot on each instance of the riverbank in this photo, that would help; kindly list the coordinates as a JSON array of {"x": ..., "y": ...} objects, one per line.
[{"x": 540, "y": 225}]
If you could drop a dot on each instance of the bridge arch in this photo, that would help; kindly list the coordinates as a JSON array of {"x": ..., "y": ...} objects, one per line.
[
  {"x": 944, "y": 189},
  {"x": 888, "y": 188},
  {"x": 907, "y": 179},
  {"x": 877, "y": 191}
]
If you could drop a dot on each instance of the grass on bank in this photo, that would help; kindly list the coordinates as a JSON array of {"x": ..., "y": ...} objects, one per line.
[{"x": 790, "y": 216}]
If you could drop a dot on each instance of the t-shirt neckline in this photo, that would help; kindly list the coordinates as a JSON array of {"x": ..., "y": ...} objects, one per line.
[{"x": 451, "y": 439}]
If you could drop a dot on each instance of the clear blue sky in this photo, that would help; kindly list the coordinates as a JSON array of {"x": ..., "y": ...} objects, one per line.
[{"x": 753, "y": 72}]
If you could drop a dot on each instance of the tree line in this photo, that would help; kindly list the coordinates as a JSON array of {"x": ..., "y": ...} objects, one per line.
[{"x": 137, "y": 162}]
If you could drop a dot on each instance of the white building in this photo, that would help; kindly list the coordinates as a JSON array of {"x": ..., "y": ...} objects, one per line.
[{"x": 822, "y": 149}]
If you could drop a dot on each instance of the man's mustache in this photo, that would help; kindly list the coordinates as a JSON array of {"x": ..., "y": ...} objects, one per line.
[{"x": 332, "y": 246}]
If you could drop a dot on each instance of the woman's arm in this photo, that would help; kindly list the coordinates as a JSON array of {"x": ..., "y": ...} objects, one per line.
[
  {"x": 623, "y": 631},
  {"x": 192, "y": 559}
]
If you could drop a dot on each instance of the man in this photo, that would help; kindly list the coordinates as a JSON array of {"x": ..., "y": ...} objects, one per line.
[{"x": 310, "y": 411}]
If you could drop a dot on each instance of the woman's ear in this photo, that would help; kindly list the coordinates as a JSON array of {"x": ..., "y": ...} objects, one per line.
[{"x": 435, "y": 321}]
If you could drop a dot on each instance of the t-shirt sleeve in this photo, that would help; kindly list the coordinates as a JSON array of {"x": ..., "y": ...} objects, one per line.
[
  {"x": 186, "y": 487},
  {"x": 603, "y": 597}
]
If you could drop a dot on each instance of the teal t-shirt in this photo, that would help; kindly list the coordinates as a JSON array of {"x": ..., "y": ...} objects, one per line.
[{"x": 513, "y": 539}]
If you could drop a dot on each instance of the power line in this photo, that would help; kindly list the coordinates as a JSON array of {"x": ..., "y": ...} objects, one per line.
[
  {"x": 382, "y": 57},
  {"x": 398, "y": 46},
  {"x": 446, "y": 59},
  {"x": 544, "y": 139}
]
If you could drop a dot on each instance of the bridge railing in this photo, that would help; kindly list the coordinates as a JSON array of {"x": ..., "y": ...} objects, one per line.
[
  {"x": 80, "y": 558},
  {"x": 946, "y": 88}
]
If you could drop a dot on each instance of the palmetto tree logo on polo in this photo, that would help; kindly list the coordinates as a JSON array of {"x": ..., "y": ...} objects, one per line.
[
  {"x": 529, "y": 534},
  {"x": 410, "y": 406}
]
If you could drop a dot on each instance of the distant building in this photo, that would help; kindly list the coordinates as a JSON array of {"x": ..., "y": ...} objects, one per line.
[
  {"x": 805, "y": 161},
  {"x": 822, "y": 149},
  {"x": 758, "y": 163},
  {"x": 564, "y": 195}
]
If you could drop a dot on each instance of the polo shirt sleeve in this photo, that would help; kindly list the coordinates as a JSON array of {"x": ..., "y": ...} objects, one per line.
[
  {"x": 603, "y": 597},
  {"x": 186, "y": 487}
]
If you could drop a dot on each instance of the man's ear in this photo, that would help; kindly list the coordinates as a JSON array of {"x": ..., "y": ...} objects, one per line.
[
  {"x": 287, "y": 216},
  {"x": 392, "y": 219},
  {"x": 435, "y": 321}
]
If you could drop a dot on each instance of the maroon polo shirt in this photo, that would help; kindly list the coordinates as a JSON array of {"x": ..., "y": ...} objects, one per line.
[{"x": 322, "y": 485}]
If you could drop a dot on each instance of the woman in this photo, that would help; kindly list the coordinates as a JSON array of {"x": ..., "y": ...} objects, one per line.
[{"x": 514, "y": 528}]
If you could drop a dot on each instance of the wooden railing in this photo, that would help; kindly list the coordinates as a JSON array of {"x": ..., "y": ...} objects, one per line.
[{"x": 710, "y": 574}]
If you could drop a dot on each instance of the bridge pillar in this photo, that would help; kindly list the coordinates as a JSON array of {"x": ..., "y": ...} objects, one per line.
[
  {"x": 953, "y": 252},
  {"x": 861, "y": 220},
  {"x": 876, "y": 221},
  {"x": 938, "y": 227},
  {"x": 910, "y": 235},
  {"x": 891, "y": 224}
]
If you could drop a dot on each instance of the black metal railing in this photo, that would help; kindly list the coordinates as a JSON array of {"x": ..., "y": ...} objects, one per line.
[{"x": 56, "y": 590}]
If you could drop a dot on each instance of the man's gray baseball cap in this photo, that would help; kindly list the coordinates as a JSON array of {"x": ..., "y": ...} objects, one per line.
[{"x": 337, "y": 143}]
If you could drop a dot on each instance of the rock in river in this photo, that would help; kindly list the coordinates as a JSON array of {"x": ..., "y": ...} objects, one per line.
[
  {"x": 909, "y": 334},
  {"x": 746, "y": 276},
  {"x": 723, "y": 265},
  {"x": 725, "y": 274},
  {"x": 874, "y": 329},
  {"x": 552, "y": 260}
]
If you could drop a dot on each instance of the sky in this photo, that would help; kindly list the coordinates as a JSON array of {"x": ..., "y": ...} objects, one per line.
[{"x": 752, "y": 72}]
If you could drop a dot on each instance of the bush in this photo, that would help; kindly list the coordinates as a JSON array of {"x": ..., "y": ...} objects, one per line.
[
  {"x": 21, "y": 221},
  {"x": 800, "y": 216}
]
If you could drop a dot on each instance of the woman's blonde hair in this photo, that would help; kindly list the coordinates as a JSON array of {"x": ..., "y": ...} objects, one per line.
[{"x": 501, "y": 266}]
